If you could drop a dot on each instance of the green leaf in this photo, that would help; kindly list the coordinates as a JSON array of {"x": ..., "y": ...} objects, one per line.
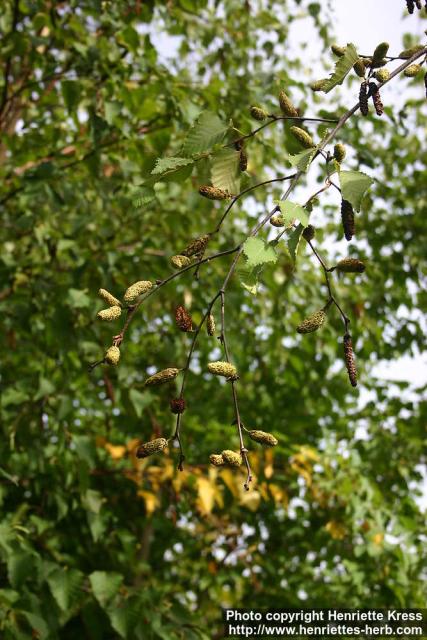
[
  {"x": 165, "y": 165},
  {"x": 20, "y": 566},
  {"x": 205, "y": 134},
  {"x": 142, "y": 197},
  {"x": 105, "y": 585},
  {"x": 140, "y": 400},
  {"x": 342, "y": 68},
  {"x": 257, "y": 252},
  {"x": 294, "y": 241},
  {"x": 225, "y": 171},
  {"x": 65, "y": 585},
  {"x": 354, "y": 184},
  {"x": 290, "y": 211},
  {"x": 37, "y": 623},
  {"x": 249, "y": 278},
  {"x": 71, "y": 93},
  {"x": 302, "y": 160},
  {"x": 79, "y": 299},
  {"x": 112, "y": 109}
]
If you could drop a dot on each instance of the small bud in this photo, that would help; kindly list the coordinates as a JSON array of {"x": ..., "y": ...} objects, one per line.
[
  {"x": 213, "y": 193},
  {"x": 109, "y": 298},
  {"x": 382, "y": 75},
  {"x": 258, "y": 114},
  {"x": 231, "y": 458},
  {"x": 196, "y": 246},
  {"x": 179, "y": 262},
  {"x": 154, "y": 446},
  {"x": 286, "y": 106},
  {"x": 350, "y": 265},
  {"x": 225, "y": 369},
  {"x": 302, "y": 136},
  {"x": 112, "y": 313},
  {"x": 312, "y": 323},
  {"x": 411, "y": 6},
  {"x": 161, "y": 377},
  {"x": 183, "y": 319},
  {"x": 408, "y": 53},
  {"x": 112, "y": 355},
  {"x": 309, "y": 233},
  {"x": 363, "y": 99},
  {"x": 318, "y": 85},
  {"x": 243, "y": 160},
  {"x": 349, "y": 360},
  {"x": 216, "y": 460},
  {"x": 380, "y": 52},
  {"x": 135, "y": 290},
  {"x": 210, "y": 325},
  {"x": 277, "y": 220},
  {"x": 263, "y": 438},
  {"x": 338, "y": 51},
  {"x": 359, "y": 67},
  {"x": 177, "y": 405},
  {"x": 376, "y": 99},
  {"x": 339, "y": 152},
  {"x": 412, "y": 70},
  {"x": 347, "y": 217}
]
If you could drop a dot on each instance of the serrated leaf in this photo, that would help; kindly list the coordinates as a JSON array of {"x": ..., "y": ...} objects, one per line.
[
  {"x": 258, "y": 252},
  {"x": 354, "y": 184},
  {"x": 291, "y": 210},
  {"x": 142, "y": 197},
  {"x": 342, "y": 68},
  {"x": 105, "y": 585},
  {"x": 302, "y": 160},
  {"x": 225, "y": 171},
  {"x": 164, "y": 165},
  {"x": 65, "y": 586},
  {"x": 294, "y": 241},
  {"x": 204, "y": 134},
  {"x": 249, "y": 278}
]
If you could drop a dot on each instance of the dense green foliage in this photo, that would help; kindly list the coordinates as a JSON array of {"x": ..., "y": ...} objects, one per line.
[{"x": 94, "y": 543}]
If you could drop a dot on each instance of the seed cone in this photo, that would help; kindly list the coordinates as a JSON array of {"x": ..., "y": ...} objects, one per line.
[
  {"x": 376, "y": 99},
  {"x": 231, "y": 458},
  {"x": 136, "y": 290},
  {"x": 258, "y": 114},
  {"x": 309, "y": 233},
  {"x": 243, "y": 160},
  {"x": 312, "y": 323},
  {"x": 161, "y": 377},
  {"x": 338, "y": 51},
  {"x": 360, "y": 68},
  {"x": 177, "y": 405},
  {"x": 349, "y": 360},
  {"x": 210, "y": 325},
  {"x": 411, "y": 6},
  {"x": 213, "y": 193},
  {"x": 277, "y": 220},
  {"x": 112, "y": 313},
  {"x": 112, "y": 355},
  {"x": 347, "y": 217},
  {"x": 380, "y": 52},
  {"x": 225, "y": 369},
  {"x": 183, "y": 319},
  {"x": 363, "y": 99},
  {"x": 196, "y": 246},
  {"x": 286, "y": 106},
  {"x": 263, "y": 438},
  {"x": 154, "y": 446},
  {"x": 318, "y": 85},
  {"x": 302, "y": 136},
  {"x": 350, "y": 265},
  {"x": 179, "y": 262},
  {"x": 382, "y": 75},
  {"x": 412, "y": 70},
  {"x": 109, "y": 298},
  {"x": 216, "y": 460},
  {"x": 339, "y": 152},
  {"x": 408, "y": 53}
]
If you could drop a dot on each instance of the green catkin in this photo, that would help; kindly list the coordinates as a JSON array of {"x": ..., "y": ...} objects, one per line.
[
  {"x": 337, "y": 50},
  {"x": 408, "y": 53},
  {"x": 350, "y": 265},
  {"x": 412, "y": 70},
  {"x": 277, "y": 220},
  {"x": 112, "y": 355},
  {"x": 110, "y": 314},
  {"x": 109, "y": 298},
  {"x": 216, "y": 459},
  {"x": 231, "y": 458},
  {"x": 312, "y": 323},
  {"x": 360, "y": 68},
  {"x": 309, "y": 233},
  {"x": 286, "y": 106},
  {"x": 382, "y": 75},
  {"x": 319, "y": 85},
  {"x": 363, "y": 99},
  {"x": 380, "y": 52},
  {"x": 225, "y": 369},
  {"x": 179, "y": 262},
  {"x": 210, "y": 325},
  {"x": 161, "y": 377},
  {"x": 198, "y": 245},
  {"x": 302, "y": 136},
  {"x": 213, "y": 193},
  {"x": 135, "y": 290},
  {"x": 258, "y": 114},
  {"x": 148, "y": 448},
  {"x": 263, "y": 438},
  {"x": 347, "y": 217},
  {"x": 349, "y": 360},
  {"x": 339, "y": 152}
]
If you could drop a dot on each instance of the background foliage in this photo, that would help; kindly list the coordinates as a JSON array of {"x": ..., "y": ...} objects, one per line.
[{"x": 92, "y": 541}]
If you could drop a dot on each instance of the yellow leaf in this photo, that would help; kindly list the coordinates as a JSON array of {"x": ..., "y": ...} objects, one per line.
[
  {"x": 206, "y": 495},
  {"x": 278, "y": 494},
  {"x": 336, "y": 529},
  {"x": 229, "y": 479},
  {"x": 117, "y": 452},
  {"x": 250, "y": 499},
  {"x": 150, "y": 499},
  {"x": 378, "y": 539},
  {"x": 269, "y": 469}
]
